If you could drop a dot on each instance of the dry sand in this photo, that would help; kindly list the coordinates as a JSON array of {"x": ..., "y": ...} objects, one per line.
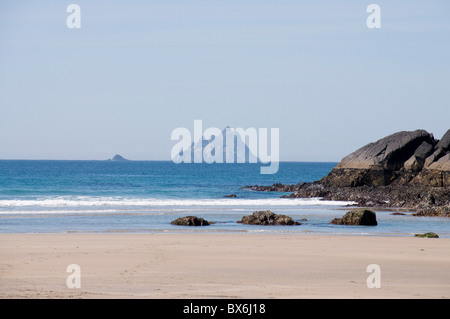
[{"x": 222, "y": 266}]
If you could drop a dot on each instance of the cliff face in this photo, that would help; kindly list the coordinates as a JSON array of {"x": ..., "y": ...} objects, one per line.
[{"x": 405, "y": 158}]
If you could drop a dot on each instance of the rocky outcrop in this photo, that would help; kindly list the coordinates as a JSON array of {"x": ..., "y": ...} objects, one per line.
[
  {"x": 358, "y": 217},
  {"x": 267, "y": 217},
  {"x": 404, "y": 158},
  {"x": 442, "y": 148},
  {"x": 425, "y": 201},
  {"x": 190, "y": 221},
  {"x": 417, "y": 160},
  {"x": 409, "y": 170}
]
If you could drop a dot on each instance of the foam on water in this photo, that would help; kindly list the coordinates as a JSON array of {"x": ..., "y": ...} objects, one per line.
[{"x": 66, "y": 204}]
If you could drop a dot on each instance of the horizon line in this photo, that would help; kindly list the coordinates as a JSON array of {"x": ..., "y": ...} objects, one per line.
[{"x": 154, "y": 160}]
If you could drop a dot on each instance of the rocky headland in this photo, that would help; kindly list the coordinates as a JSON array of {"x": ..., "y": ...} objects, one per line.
[{"x": 407, "y": 170}]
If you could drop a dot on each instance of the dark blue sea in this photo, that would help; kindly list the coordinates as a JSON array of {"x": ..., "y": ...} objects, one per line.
[{"x": 145, "y": 196}]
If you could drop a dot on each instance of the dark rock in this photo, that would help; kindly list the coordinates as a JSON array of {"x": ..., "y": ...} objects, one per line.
[
  {"x": 190, "y": 221},
  {"x": 398, "y": 214},
  {"x": 417, "y": 161},
  {"x": 232, "y": 195},
  {"x": 432, "y": 177},
  {"x": 404, "y": 158},
  {"x": 427, "y": 235},
  {"x": 375, "y": 163},
  {"x": 436, "y": 155},
  {"x": 444, "y": 143},
  {"x": 267, "y": 218},
  {"x": 441, "y": 150},
  {"x": 277, "y": 187},
  {"x": 363, "y": 217},
  {"x": 443, "y": 164},
  {"x": 434, "y": 211},
  {"x": 388, "y": 153}
]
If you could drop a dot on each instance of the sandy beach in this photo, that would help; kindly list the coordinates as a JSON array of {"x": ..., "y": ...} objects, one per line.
[{"x": 222, "y": 266}]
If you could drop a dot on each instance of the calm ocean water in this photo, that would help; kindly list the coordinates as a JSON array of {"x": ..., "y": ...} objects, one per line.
[{"x": 106, "y": 196}]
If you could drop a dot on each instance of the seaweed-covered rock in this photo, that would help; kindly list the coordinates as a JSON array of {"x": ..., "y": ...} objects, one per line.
[
  {"x": 190, "y": 221},
  {"x": 427, "y": 235},
  {"x": 267, "y": 217},
  {"x": 363, "y": 217}
]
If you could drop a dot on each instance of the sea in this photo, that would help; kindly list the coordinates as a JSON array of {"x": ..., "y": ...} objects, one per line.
[{"x": 52, "y": 196}]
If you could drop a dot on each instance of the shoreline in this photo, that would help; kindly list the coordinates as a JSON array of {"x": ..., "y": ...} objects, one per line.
[
  {"x": 217, "y": 265},
  {"x": 422, "y": 201},
  {"x": 311, "y": 223},
  {"x": 188, "y": 230},
  {"x": 225, "y": 221}
]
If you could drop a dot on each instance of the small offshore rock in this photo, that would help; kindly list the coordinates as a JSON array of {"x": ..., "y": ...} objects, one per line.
[
  {"x": 427, "y": 235},
  {"x": 267, "y": 217},
  {"x": 359, "y": 217},
  {"x": 191, "y": 221},
  {"x": 231, "y": 196}
]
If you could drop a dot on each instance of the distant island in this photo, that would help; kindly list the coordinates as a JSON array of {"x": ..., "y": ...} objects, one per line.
[
  {"x": 119, "y": 158},
  {"x": 407, "y": 170}
]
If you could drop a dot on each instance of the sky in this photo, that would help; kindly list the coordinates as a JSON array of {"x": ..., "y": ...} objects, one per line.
[{"x": 137, "y": 70}]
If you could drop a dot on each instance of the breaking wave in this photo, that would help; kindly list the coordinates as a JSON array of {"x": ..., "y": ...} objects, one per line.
[{"x": 71, "y": 204}]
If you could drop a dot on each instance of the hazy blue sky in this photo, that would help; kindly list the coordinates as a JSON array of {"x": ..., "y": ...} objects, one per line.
[{"x": 136, "y": 70}]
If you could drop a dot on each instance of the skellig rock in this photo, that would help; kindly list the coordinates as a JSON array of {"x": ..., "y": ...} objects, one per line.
[{"x": 119, "y": 158}]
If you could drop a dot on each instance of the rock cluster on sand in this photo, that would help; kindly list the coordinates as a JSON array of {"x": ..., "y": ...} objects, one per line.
[
  {"x": 190, "y": 221},
  {"x": 408, "y": 170},
  {"x": 359, "y": 217},
  {"x": 267, "y": 217}
]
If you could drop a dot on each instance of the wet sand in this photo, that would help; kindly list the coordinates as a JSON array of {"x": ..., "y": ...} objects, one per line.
[{"x": 124, "y": 265}]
